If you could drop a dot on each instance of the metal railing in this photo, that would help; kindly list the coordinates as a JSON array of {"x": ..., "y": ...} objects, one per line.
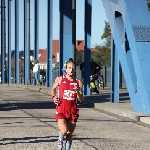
[{"x": 106, "y": 72}]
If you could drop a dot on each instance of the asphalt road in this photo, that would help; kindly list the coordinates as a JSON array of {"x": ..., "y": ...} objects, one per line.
[{"x": 27, "y": 123}]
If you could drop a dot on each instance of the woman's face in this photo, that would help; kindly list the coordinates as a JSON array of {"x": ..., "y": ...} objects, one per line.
[{"x": 70, "y": 69}]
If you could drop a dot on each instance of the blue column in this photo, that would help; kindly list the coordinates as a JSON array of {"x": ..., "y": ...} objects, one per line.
[
  {"x": 26, "y": 58},
  {"x": 74, "y": 30},
  {"x": 2, "y": 42},
  {"x": 9, "y": 43},
  {"x": 16, "y": 41},
  {"x": 49, "y": 43},
  {"x": 65, "y": 45},
  {"x": 114, "y": 74},
  {"x": 87, "y": 48},
  {"x": 36, "y": 29}
]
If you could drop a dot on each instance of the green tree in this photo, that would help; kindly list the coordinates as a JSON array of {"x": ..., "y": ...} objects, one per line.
[
  {"x": 102, "y": 56},
  {"x": 148, "y": 3},
  {"x": 12, "y": 68},
  {"x": 107, "y": 35},
  {"x": 79, "y": 57}
]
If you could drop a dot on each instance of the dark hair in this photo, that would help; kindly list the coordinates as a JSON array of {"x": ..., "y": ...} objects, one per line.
[{"x": 69, "y": 61}]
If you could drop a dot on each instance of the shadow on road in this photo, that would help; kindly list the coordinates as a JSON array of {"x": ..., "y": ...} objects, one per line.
[
  {"x": 105, "y": 97},
  {"x": 7, "y": 141},
  {"x": 33, "y": 105}
]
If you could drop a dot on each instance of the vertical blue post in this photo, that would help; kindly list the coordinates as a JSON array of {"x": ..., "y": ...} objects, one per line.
[
  {"x": 9, "y": 43},
  {"x": 74, "y": 30},
  {"x": 36, "y": 29},
  {"x": 114, "y": 74},
  {"x": 2, "y": 42},
  {"x": 16, "y": 41},
  {"x": 87, "y": 48},
  {"x": 65, "y": 48},
  {"x": 26, "y": 64},
  {"x": 49, "y": 43}
]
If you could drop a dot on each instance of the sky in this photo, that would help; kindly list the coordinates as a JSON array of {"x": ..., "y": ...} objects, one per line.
[{"x": 98, "y": 17}]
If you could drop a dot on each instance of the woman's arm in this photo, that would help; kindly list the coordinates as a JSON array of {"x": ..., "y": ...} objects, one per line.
[
  {"x": 54, "y": 87},
  {"x": 79, "y": 92}
]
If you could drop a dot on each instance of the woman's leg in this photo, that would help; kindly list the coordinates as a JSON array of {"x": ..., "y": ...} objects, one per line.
[
  {"x": 63, "y": 128},
  {"x": 62, "y": 125},
  {"x": 36, "y": 77},
  {"x": 71, "y": 127}
]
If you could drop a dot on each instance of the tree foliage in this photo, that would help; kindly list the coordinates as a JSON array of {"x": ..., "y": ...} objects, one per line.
[
  {"x": 107, "y": 35},
  {"x": 102, "y": 55},
  {"x": 79, "y": 57},
  {"x": 148, "y": 3},
  {"x": 13, "y": 67}
]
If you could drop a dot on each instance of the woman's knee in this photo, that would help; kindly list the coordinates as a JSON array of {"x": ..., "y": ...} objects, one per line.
[
  {"x": 63, "y": 132},
  {"x": 71, "y": 130},
  {"x": 63, "y": 126},
  {"x": 72, "y": 126}
]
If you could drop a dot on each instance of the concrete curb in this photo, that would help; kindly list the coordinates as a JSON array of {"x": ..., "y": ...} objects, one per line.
[
  {"x": 136, "y": 116},
  {"x": 124, "y": 112}
]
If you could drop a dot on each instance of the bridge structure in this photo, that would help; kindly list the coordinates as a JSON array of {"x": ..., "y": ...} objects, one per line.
[{"x": 130, "y": 27}]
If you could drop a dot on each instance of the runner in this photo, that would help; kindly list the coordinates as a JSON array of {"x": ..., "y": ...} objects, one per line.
[{"x": 69, "y": 90}]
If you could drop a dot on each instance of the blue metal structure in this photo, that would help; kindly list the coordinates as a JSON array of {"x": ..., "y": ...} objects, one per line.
[
  {"x": 74, "y": 30},
  {"x": 49, "y": 43},
  {"x": 26, "y": 55},
  {"x": 9, "y": 43},
  {"x": 87, "y": 47},
  {"x": 2, "y": 41},
  {"x": 130, "y": 28},
  {"x": 65, "y": 45},
  {"x": 114, "y": 73},
  {"x": 36, "y": 29},
  {"x": 16, "y": 41}
]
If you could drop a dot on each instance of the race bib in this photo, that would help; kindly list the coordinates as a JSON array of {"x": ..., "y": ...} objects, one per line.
[{"x": 69, "y": 95}]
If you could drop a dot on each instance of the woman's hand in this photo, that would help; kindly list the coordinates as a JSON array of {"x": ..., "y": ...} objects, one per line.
[
  {"x": 76, "y": 88},
  {"x": 56, "y": 100}
]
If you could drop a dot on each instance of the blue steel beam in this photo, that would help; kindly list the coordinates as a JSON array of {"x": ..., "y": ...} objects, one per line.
[
  {"x": 130, "y": 27},
  {"x": 2, "y": 42},
  {"x": 16, "y": 41},
  {"x": 36, "y": 29},
  {"x": 87, "y": 48},
  {"x": 65, "y": 41},
  {"x": 49, "y": 43},
  {"x": 74, "y": 30},
  {"x": 114, "y": 73},
  {"x": 26, "y": 54},
  {"x": 9, "y": 43}
]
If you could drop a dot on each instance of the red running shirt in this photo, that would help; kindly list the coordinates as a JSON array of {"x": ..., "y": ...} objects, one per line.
[{"x": 67, "y": 97}]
